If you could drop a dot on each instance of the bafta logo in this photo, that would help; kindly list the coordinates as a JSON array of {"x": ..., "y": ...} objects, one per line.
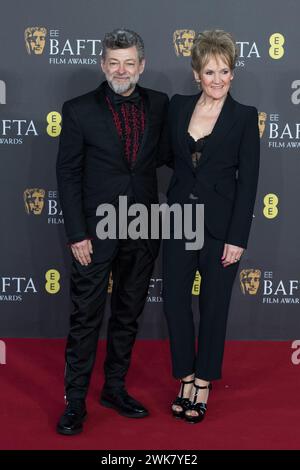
[
  {"x": 35, "y": 38},
  {"x": 34, "y": 200},
  {"x": 183, "y": 40},
  {"x": 262, "y": 117},
  {"x": 249, "y": 280}
]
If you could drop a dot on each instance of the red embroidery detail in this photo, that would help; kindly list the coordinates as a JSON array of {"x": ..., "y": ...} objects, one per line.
[
  {"x": 134, "y": 128},
  {"x": 135, "y": 125},
  {"x": 125, "y": 113},
  {"x": 116, "y": 118},
  {"x": 143, "y": 118}
]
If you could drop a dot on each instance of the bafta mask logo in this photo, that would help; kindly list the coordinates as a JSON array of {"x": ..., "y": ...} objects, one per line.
[
  {"x": 262, "y": 117},
  {"x": 34, "y": 200},
  {"x": 183, "y": 40},
  {"x": 249, "y": 280},
  {"x": 2, "y": 92},
  {"x": 35, "y": 38}
]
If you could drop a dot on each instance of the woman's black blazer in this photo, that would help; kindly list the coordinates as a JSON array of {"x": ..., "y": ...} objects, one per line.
[{"x": 226, "y": 178}]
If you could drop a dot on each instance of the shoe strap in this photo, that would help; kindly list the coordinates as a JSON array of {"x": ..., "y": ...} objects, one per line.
[
  {"x": 183, "y": 402},
  {"x": 209, "y": 386},
  {"x": 199, "y": 407},
  {"x": 183, "y": 383},
  {"x": 200, "y": 387}
]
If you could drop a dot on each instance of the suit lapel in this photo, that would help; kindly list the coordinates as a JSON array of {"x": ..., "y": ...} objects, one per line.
[
  {"x": 224, "y": 123},
  {"x": 183, "y": 124},
  {"x": 147, "y": 109},
  {"x": 108, "y": 118}
]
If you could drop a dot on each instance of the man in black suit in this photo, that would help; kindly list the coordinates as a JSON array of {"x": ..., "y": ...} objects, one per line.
[{"x": 112, "y": 140}]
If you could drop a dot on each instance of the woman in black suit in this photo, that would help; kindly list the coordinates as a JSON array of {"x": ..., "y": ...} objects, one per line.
[{"x": 215, "y": 142}]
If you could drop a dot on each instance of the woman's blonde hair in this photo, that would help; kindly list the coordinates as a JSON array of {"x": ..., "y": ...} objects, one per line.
[{"x": 215, "y": 43}]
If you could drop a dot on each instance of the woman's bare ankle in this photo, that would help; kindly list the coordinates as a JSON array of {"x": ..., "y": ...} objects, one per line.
[{"x": 187, "y": 378}]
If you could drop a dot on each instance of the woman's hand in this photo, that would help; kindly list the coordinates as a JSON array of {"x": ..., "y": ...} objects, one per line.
[
  {"x": 82, "y": 252},
  {"x": 231, "y": 254}
]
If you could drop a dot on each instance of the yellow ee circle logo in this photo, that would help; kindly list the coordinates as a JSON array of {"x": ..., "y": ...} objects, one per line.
[
  {"x": 270, "y": 210},
  {"x": 276, "y": 50},
  {"x": 54, "y": 120},
  {"x": 52, "y": 285},
  {"x": 196, "y": 284}
]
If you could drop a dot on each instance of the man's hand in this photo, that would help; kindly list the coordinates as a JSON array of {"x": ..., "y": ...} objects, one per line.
[
  {"x": 82, "y": 251},
  {"x": 231, "y": 254}
]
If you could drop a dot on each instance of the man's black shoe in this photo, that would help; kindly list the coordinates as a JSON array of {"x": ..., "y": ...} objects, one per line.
[
  {"x": 71, "y": 421},
  {"x": 123, "y": 403}
]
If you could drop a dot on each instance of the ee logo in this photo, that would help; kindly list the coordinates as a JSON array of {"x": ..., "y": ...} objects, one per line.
[
  {"x": 270, "y": 210},
  {"x": 52, "y": 285},
  {"x": 196, "y": 284},
  {"x": 276, "y": 50},
  {"x": 54, "y": 121}
]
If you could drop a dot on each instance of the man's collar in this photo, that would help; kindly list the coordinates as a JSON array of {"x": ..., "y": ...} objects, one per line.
[{"x": 118, "y": 100}]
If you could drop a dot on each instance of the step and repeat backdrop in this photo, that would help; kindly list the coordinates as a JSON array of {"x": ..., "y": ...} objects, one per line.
[{"x": 50, "y": 52}]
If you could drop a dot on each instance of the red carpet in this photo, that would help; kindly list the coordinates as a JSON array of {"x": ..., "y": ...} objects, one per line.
[{"x": 255, "y": 405}]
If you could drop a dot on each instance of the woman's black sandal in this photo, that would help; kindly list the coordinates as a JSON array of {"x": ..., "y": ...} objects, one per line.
[
  {"x": 184, "y": 403},
  {"x": 200, "y": 408}
]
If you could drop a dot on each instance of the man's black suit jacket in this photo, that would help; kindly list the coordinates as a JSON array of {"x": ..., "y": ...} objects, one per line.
[
  {"x": 226, "y": 179},
  {"x": 92, "y": 168}
]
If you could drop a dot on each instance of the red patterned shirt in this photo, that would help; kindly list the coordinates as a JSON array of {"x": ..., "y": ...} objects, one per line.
[{"x": 129, "y": 119}]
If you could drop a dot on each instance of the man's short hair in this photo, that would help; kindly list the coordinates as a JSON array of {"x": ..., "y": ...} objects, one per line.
[{"x": 123, "y": 39}]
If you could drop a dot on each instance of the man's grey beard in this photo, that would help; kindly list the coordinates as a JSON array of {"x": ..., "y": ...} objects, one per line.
[{"x": 121, "y": 88}]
